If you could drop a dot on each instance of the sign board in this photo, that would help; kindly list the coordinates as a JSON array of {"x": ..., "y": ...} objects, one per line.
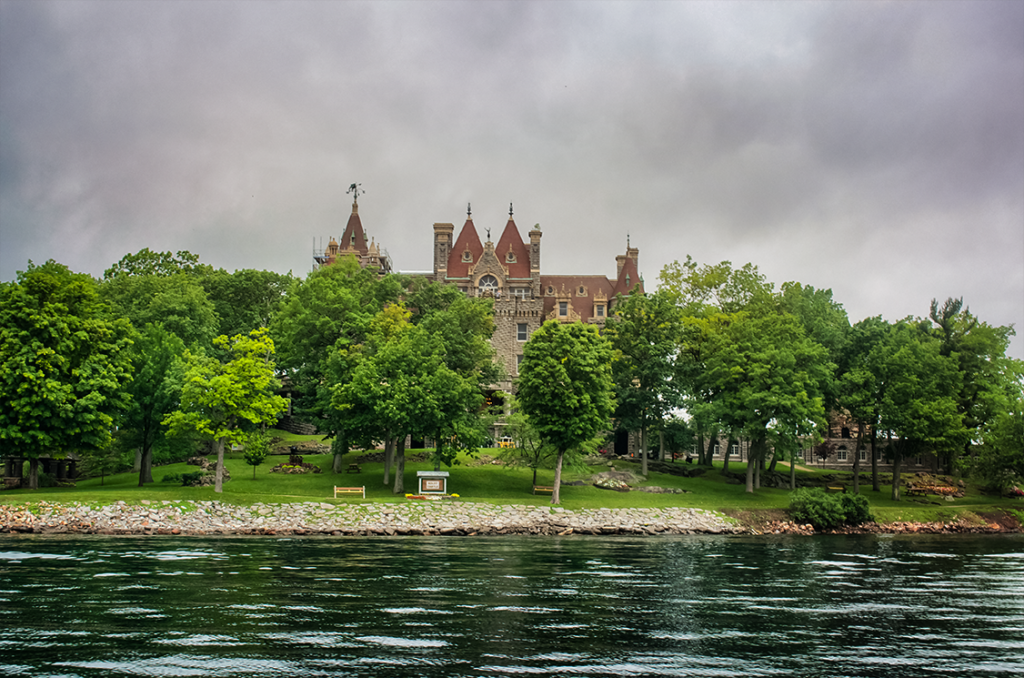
[{"x": 433, "y": 482}]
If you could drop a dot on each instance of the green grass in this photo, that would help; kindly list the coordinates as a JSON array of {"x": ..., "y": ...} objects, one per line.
[{"x": 490, "y": 484}]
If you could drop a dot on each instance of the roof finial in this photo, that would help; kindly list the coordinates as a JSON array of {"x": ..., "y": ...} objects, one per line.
[
  {"x": 627, "y": 241},
  {"x": 510, "y": 210},
  {"x": 469, "y": 210},
  {"x": 355, "y": 190},
  {"x": 488, "y": 234}
]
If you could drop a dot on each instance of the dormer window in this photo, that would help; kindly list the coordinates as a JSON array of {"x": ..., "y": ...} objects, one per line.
[
  {"x": 551, "y": 290},
  {"x": 581, "y": 292},
  {"x": 510, "y": 258},
  {"x": 467, "y": 256}
]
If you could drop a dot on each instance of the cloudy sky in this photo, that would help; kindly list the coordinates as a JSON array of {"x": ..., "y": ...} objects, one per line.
[{"x": 874, "y": 148}]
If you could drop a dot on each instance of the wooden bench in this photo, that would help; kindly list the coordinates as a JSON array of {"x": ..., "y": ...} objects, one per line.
[
  {"x": 836, "y": 488},
  {"x": 543, "y": 488},
  {"x": 353, "y": 468},
  {"x": 350, "y": 490}
]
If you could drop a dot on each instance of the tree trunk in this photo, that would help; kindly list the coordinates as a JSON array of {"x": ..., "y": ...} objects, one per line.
[
  {"x": 792, "y": 470},
  {"x": 661, "y": 444},
  {"x": 400, "y": 466},
  {"x": 750, "y": 473},
  {"x": 775, "y": 460},
  {"x": 643, "y": 451},
  {"x": 709, "y": 450},
  {"x": 556, "y": 492},
  {"x": 856, "y": 457},
  {"x": 725, "y": 457},
  {"x": 758, "y": 467},
  {"x": 874, "y": 461},
  {"x": 340, "y": 450},
  {"x": 897, "y": 460},
  {"x": 218, "y": 476},
  {"x": 137, "y": 466},
  {"x": 145, "y": 467},
  {"x": 33, "y": 474},
  {"x": 389, "y": 444}
]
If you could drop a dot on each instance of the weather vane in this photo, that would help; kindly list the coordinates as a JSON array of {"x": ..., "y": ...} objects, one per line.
[
  {"x": 510, "y": 210},
  {"x": 355, "y": 190},
  {"x": 488, "y": 234},
  {"x": 469, "y": 210}
]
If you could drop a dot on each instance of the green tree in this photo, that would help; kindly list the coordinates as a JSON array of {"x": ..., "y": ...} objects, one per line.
[
  {"x": 318, "y": 327},
  {"x": 999, "y": 461},
  {"x": 246, "y": 299},
  {"x": 146, "y": 262},
  {"x": 859, "y": 389},
  {"x": 401, "y": 386},
  {"x": 917, "y": 404},
  {"x": 219, "y": 398},
  {"x": 979, "y": 351},
  {"x": 566, "y": 388},
  {"x": 63, "y": 365},
  {"x": 257, "y": 447},
  {"x": 765, "y": 377},
  {"x": 154, "y": 392},
  {"x": 177, "y": 302},
  {"x": 529, "y": 451},
  {"x": 644, "y": 331}
]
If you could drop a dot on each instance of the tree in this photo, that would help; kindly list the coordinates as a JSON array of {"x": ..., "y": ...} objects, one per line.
[
  {"x": 257, "y": 447},
  {"x": 644, "y": 332},
  {"x": 219, "y": 398},
  {"x": 1000, "y": 457},
  {"x": 146, "y": 262},
  {"x": 176, "y": 301},
  {"x": 979, "y": 351},
  {"x": 401, "y": 386},
  {"x": 765, "y": 377},
  {"x": 63, "y": 365},
  {"x": 916, "y": 405},
  {"x": 317, "y": 327},
  {"x": 859, "y": 390},
  {"x": 246, "y": 299},
  {"x": 154, "y": 392},
  {"x": 565, "y": 387},
  {"x": 528, "y": 450}
]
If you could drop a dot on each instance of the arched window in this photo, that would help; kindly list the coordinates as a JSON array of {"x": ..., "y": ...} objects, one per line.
[{"x": 488, "y": 283}]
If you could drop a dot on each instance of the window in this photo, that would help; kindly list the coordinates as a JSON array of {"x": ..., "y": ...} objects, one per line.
[
  {"x": 519, "y": 362},
  {"x": 467, "y": 256},
  {"x": 521, "y": 333},
  {"x": 845, "y": 433},
  {"x": 521, "y": 292},
  {"x": 563, "y": 308},
  {"x": 488, "y": 283},
  {"x": 717, "y": 450},
  {"x": 551, "y": 290},
  {"x": 841, "y": 454},
  {"x": 599, "y": 310},
  {"x": 735, "y": 449},
  {"x": 862, "y": 454},
  {"x": 510, "y": 257},
  {"x": 582, "y": 291}
]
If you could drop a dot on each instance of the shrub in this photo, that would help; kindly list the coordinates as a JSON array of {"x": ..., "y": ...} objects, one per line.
[
  {"x": 825, "y": 510},
  {"x": 192, "y": 479},
  {"x": 171, "y": 478}
]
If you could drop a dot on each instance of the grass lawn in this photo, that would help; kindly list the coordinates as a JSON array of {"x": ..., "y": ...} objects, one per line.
[{"x": 490, "y": 483}]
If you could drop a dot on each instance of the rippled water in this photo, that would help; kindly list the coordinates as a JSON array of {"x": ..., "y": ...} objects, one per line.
[{"x": 578, "y": 606}]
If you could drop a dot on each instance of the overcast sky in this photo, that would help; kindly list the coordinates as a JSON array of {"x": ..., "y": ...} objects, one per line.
[{"x": 874, "y": 148}]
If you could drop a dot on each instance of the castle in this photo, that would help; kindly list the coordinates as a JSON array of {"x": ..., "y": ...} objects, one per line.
[{"x": 509, "y": 272}]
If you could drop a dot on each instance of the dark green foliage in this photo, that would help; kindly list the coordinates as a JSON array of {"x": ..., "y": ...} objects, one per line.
[
  {"x": 193, "y": 479},
  {"x": 826, "y": 511},
  {"x": 171, "y": 478}
]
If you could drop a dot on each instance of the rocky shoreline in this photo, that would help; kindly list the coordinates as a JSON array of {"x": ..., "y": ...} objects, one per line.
[
  {"x": 309, "y": 518},
  {"x": 455, "y": 518}
]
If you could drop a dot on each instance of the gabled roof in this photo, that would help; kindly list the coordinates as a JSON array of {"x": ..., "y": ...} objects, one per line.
[
  {"x": 354, "y": 238},
  {"x": 628, "y": 278},
  {"x": 584, "y": 305},
  {"x": 510, "y": 239},
  {"x": 468, "y": 239}
]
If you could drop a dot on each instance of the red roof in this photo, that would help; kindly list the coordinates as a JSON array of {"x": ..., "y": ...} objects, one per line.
[
  {"x": 583, "y": 305},
  {"x": 354, "y": 228},
  {"x": 628, "y": 278},
  {"x": 468, "y": 239},
  {"x": 510, "y": 239}
]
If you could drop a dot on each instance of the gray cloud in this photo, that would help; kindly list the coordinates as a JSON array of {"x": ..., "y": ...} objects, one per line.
[{"x": 874, "y": 148}]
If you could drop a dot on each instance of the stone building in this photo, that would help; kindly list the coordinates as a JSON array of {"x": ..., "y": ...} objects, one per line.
[
  {"x": 509, "y": 271},
  {"x": 353, "y": 243}
]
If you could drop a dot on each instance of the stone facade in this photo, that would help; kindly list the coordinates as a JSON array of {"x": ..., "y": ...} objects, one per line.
[{"x": 510, "y": 273}]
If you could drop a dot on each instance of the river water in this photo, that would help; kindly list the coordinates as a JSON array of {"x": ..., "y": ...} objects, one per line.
[{"x": 512, "y": 606}]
